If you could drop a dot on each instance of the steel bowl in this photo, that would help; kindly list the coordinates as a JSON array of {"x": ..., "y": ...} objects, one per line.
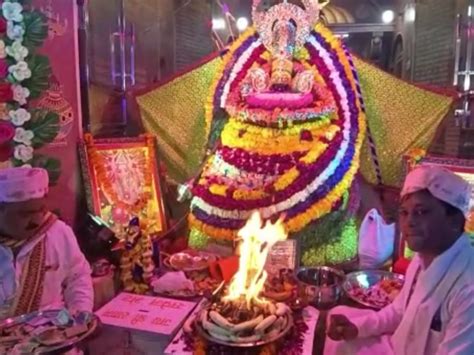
[
  {"x": 365, "y": 280},
  {"x": 320, "y": 286}
]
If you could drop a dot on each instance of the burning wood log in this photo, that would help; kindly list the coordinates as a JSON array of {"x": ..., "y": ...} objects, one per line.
[
  {"x": 253, "y": 328},
  {"x": 241, "y": 315}
]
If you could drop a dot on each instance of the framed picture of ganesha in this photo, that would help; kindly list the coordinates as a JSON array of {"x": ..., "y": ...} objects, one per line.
[{"x": 122, "y": 182}]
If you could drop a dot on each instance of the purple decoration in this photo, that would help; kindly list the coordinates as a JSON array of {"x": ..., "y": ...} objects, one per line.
[
  {"x": 225, "y": 76},
  {"x": 225, "y": 9}
]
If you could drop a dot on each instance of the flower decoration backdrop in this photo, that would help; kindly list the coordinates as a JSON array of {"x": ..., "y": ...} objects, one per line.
[
  {"x": 45, "y": 106},
  {"x": 305, "y": 170},
  {"x": 24, "y": 76}
]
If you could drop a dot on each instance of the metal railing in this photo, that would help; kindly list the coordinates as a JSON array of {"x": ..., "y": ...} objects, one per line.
[
  {"x": 122, "y": 57},
  {"x": 463, "y": 67}
]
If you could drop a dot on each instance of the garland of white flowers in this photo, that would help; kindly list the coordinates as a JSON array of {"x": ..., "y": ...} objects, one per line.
[{"x": 13, "y": 13}]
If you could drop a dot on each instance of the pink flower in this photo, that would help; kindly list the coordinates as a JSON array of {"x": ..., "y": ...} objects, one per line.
[{"x": 7, "y": 132}]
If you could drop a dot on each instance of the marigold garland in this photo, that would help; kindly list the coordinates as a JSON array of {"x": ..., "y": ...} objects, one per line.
[
  {"x": 235, "y": 126},
  {"x": 294, "y": 225},
  {"x": 281, "y": 183},
  {"x": 280, "y": 144},
  {"x": 414, "y": 156},
  {"x": 286, "y": 179},
  {"x": 218, "y": 189}
]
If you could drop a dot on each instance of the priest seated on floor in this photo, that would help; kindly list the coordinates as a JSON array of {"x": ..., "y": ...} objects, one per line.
[
  {"x": 434, "y": 313},
  {"x": 42, "y": 266}
]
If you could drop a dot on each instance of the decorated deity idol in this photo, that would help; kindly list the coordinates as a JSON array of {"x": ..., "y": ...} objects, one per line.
[
  {"x": 291, "y": 143},
  {"x": 136, "y": 263}
]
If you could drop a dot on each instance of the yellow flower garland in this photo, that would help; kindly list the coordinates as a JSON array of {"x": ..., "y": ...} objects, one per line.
[
  {"x": 220, "y": 190},
  {"x": 280, "y": 184},
  {"x": 317, "y": 210},
  {"x": 236, "y": 136},
  {"x": 267, "y": 132},
  {"x": 301, "y": 54},
  {"x": 249, "y": 194},
  {"x": 314, "y": 153},
  {"x": 216, "y": 233},
  {"x": 414, "y": 156},
  {"x": 286, "y": 179}
]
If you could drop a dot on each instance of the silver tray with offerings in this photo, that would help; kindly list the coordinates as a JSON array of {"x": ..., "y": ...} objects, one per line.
[
  {"x": 373, "y": 288},
  {"x": 45, "y": 332}
]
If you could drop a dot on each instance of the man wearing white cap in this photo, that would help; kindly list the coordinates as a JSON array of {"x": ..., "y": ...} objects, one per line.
[
  {"x": 434, "y": 313},
  {"x": 41, "y": 265}
]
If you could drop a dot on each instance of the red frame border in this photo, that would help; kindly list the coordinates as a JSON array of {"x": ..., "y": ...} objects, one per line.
[{"x": 90, "y": 182}]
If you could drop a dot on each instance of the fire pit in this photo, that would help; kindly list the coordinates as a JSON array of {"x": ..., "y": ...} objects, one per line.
[
  {"x": 224, "y": 324},
  {"x": 241, "y": 317}
]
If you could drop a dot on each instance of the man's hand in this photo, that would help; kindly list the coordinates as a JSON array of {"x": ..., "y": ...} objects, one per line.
[{"x": 341, "y": 328}]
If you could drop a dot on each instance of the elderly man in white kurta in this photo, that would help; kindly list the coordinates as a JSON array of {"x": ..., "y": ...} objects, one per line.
[
  {"x": 41, "y": 265},
  {"x": 434, "y": 313}
]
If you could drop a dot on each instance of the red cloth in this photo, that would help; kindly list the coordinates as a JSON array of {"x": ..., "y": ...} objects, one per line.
[
  {"x": 401, "y": 266},
  {"x": 225, "y": 268}
]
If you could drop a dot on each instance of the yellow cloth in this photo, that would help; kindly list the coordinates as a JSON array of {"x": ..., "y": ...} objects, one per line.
[
  {"x": 400, "y": 116},
  {"x": 175, "y": 114}
]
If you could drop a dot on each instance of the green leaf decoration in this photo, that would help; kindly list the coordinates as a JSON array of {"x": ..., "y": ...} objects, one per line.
[
  {"x": 217, "y": 126},
  {"x": 36, "y": 29},
  {"x": 52, "y": 165},
  {"x": 16, "y": 163},
  {"x": 45, "y": 126},
  {"x": 40, "y": 74},
  {"x": 24, "y": 2}
]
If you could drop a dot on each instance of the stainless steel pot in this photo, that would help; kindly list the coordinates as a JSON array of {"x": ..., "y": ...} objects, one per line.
[{"x": 320, "y": 286}]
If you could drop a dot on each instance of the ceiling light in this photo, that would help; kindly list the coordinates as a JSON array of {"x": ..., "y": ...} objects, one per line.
[
  {"x": 218, "y": 24},
  {"x": 388, "y": 16},
  {"x": 242, "y": 23}
]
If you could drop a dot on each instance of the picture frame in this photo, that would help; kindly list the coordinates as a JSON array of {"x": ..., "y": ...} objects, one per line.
[
  {"x": 283, "y": 255},
  {"x": 122, "y": 181}
]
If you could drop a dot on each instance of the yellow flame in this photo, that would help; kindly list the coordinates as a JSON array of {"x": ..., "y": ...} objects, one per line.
[{"x": 257, "y": 238}]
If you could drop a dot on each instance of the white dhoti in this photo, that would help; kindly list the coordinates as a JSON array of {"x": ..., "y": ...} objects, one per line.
[{"x": 380, "y": 345}]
